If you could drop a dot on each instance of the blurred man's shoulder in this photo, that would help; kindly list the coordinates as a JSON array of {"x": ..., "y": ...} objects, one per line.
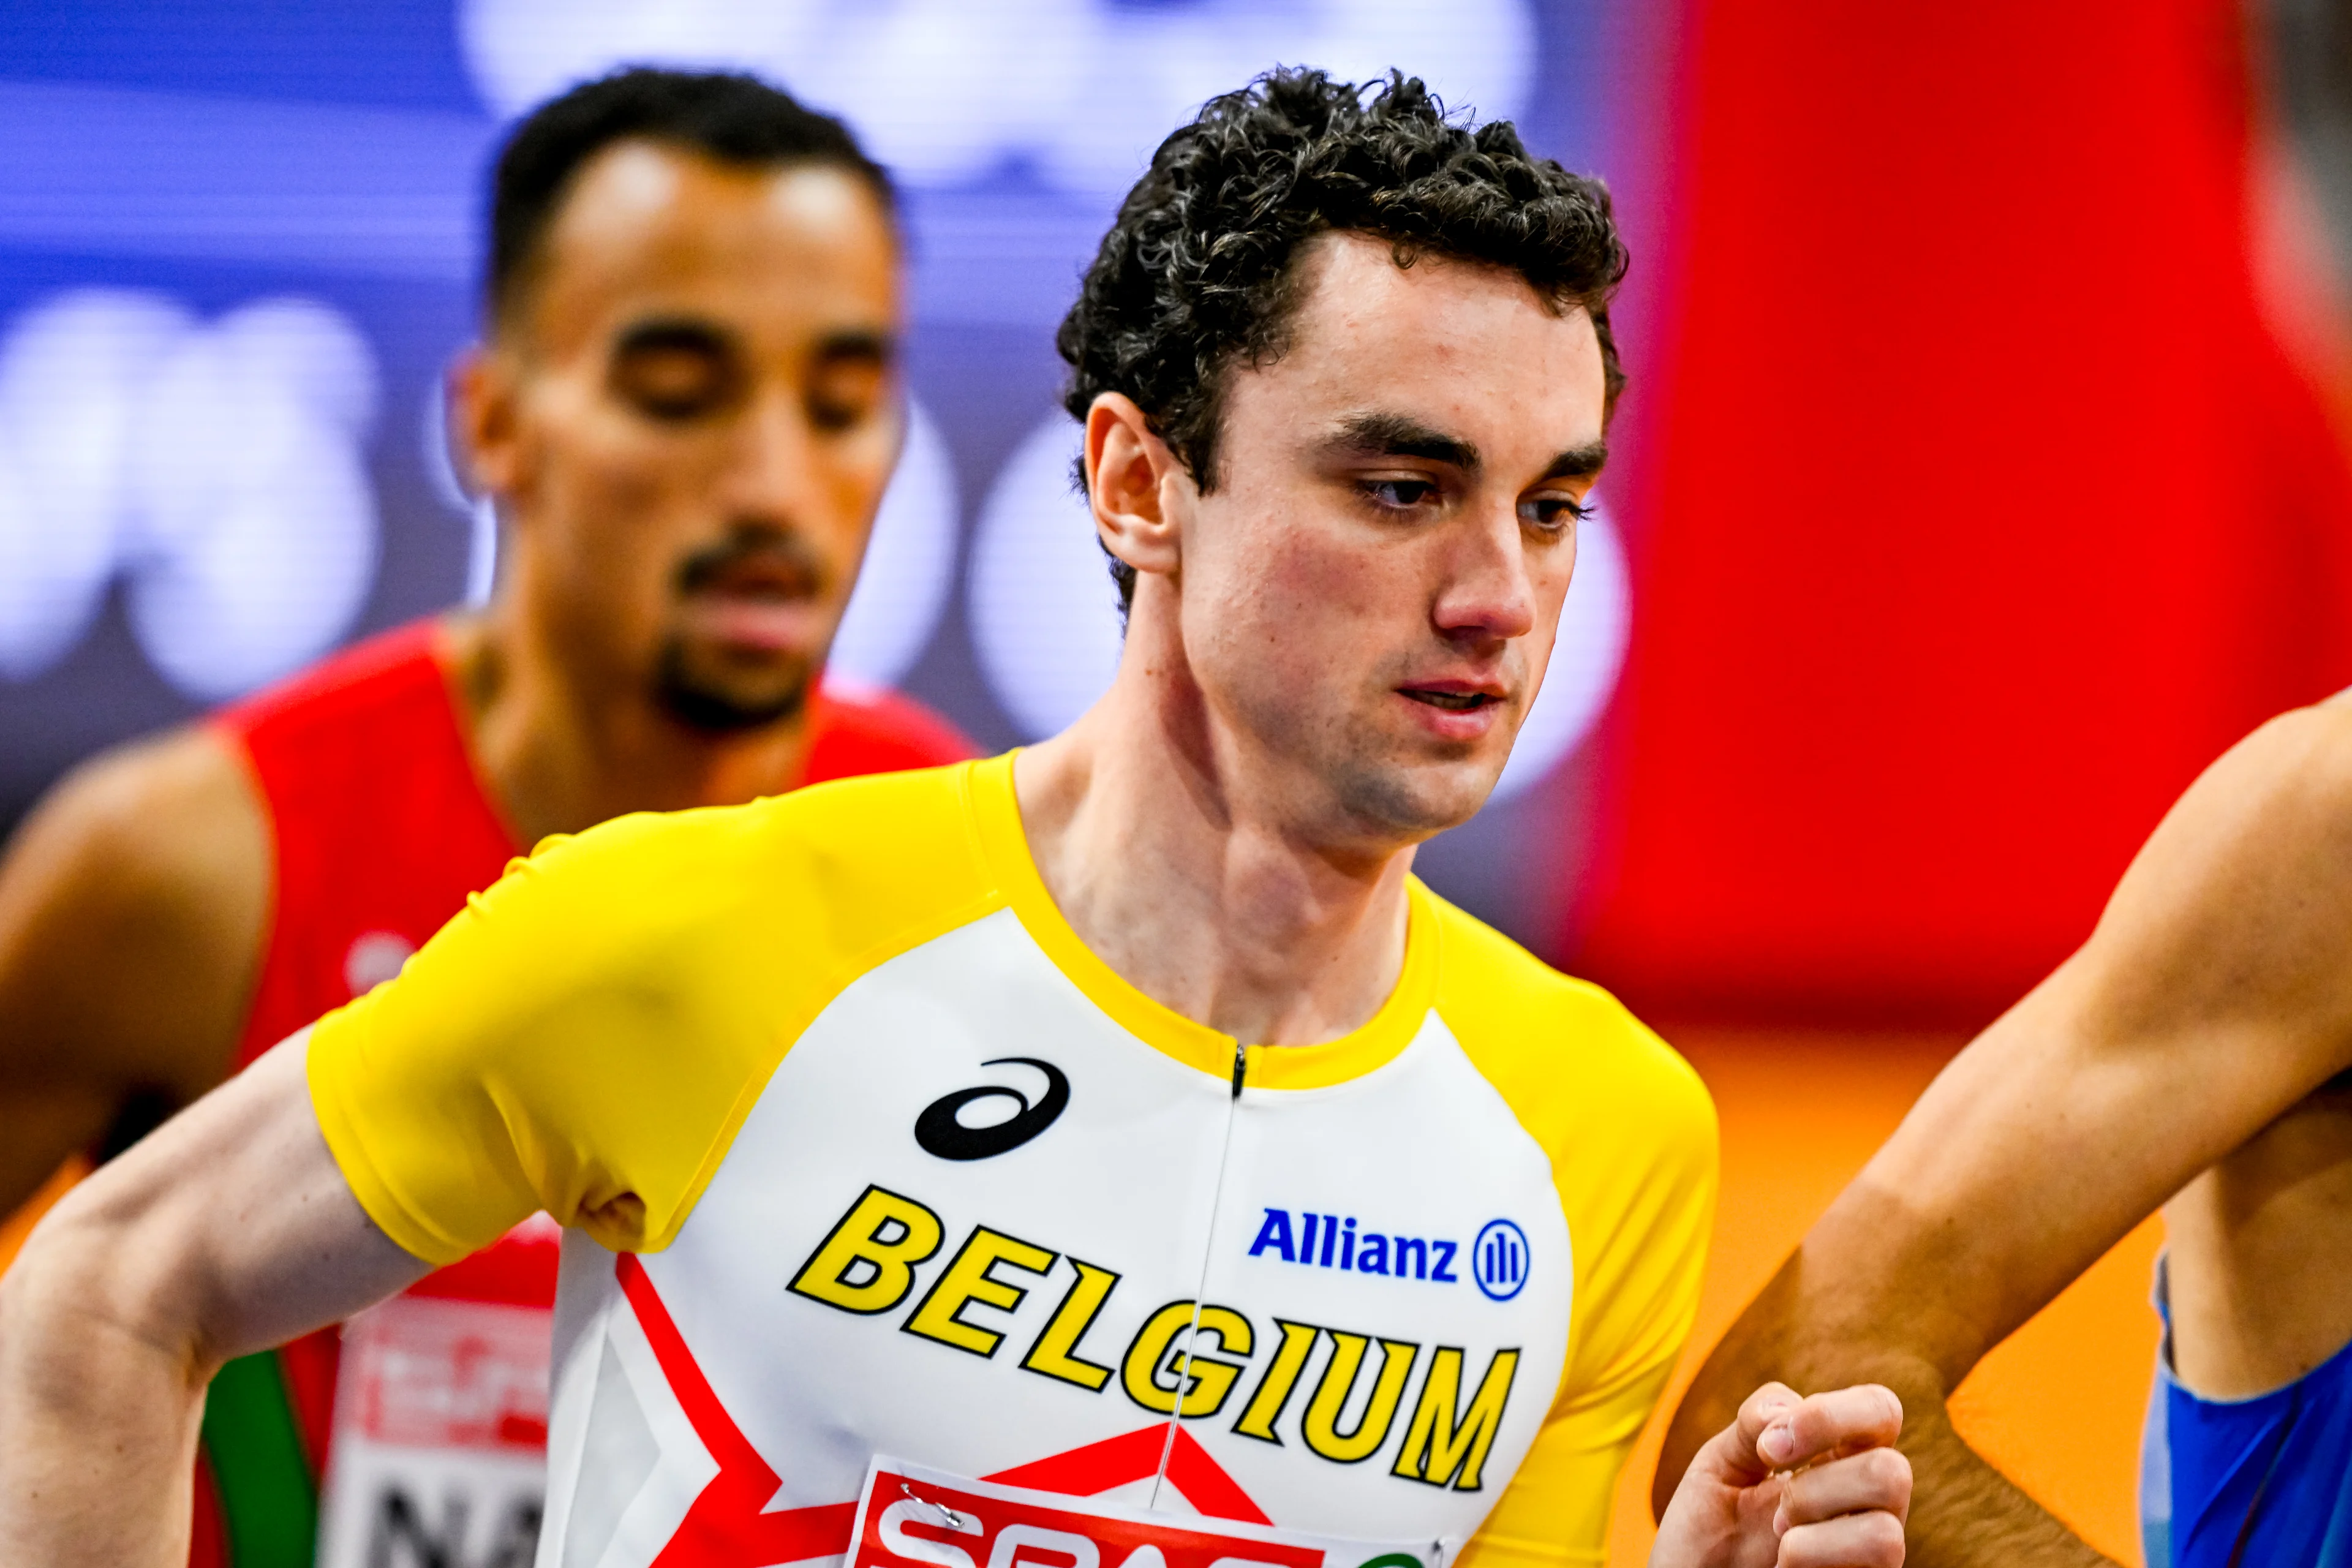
[
  {"x": 133, "y": 905},
  {"x": 173, "y": 816},
  {"x": 351, "y": 692},
  {"x": 857, "y": 728}
]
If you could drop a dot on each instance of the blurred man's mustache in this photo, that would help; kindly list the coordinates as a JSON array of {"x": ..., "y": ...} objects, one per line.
[{"x": 779, "y": 561}]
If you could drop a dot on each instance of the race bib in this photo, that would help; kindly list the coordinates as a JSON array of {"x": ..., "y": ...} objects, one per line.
[
  {"x": 911, "y": 1517},
  {"x": 439, "y": 1454}
]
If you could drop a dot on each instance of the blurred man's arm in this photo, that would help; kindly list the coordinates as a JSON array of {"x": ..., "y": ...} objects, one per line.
[
  {"x": 2215, "y": 993},
  {"x": 228, "y": 1230},
  {"x": 133, "y": 906}
]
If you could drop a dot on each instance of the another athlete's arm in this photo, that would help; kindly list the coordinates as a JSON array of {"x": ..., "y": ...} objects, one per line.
[
  {"x": 228, "y": 1230},
  {"x": 132, "y": 903},
  {"x": 2214, "y": 995}
]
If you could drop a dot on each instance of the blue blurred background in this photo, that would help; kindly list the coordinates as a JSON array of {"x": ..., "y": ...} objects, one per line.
[{"x": 238, "y": 243}]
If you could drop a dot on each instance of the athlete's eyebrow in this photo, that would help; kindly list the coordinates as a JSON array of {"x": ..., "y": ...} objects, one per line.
[
  {"x": 671, "y": 335},
  {"x": 859, "y": 343},
  {"x": 1579, "y": 462},
  {"x": 1401, "y": 435}
]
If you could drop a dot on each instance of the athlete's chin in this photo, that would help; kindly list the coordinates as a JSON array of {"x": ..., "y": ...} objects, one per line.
[
  {"x": 720, "y": 687},
  {"x": 1419, "y": 798}
]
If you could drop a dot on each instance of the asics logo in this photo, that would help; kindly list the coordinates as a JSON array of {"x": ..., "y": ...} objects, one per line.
[{"x": 942, "y": 1131}]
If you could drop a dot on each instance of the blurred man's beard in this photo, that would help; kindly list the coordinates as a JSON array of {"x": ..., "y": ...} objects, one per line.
[
  {"x": 705, "y": 694},
  {"x": 699, "y": 681}
]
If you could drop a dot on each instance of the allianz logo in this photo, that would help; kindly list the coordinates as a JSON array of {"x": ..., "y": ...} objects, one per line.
[{"x": 1498, "y": 1259}]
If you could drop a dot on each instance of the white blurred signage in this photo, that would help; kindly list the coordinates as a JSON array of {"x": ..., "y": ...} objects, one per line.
[
  {"x": 218, "y": 468},
  {"x": 946, "y": 91}
]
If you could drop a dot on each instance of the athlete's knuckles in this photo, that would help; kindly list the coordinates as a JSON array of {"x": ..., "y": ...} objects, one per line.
[
  {"x": 1894, "y": 1478},
  {"x": 1878, "y": 1478},
  {"x": 1885, "y": 1473},
  {"x": 1814, "y": 1430},
  {"x": 1850, "y": 1417},
  {"x": 1855, "y": 1541}
]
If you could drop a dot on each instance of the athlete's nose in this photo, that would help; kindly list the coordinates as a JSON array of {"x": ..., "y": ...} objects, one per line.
[
  {"x": 1487, "y": 591},
  {"x": 771, "y": 478}
]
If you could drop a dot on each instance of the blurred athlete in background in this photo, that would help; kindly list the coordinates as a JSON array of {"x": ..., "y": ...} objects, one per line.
[
  {"x": 2195, "y": 1054},
  {"x": 686, "y": 409},
  {"x": 1411, "y": 1269}
]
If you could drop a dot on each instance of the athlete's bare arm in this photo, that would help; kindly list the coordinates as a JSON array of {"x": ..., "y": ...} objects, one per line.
[
  {"x": 133, "y": 905},
  {"x": 228, "y": 1230},
  {"x": 2214, "y": 998}
]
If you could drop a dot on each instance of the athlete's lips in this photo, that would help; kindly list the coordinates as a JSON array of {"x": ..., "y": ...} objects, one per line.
[
  {"x": 755, "y": 621},
  {"x": 1455, "y": 709},
  {"x": 766, "y": 597}
]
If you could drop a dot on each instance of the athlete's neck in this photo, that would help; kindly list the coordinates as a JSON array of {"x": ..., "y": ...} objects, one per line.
[
  {"x": 562, "y": 751},
  {"x": 1182, "y": 871}
]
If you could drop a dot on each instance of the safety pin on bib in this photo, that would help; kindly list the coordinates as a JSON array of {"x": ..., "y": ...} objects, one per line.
[{"x": 949, "y": 1517}]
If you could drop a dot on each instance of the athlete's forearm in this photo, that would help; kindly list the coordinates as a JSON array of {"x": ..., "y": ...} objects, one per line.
[
  {"x": 226, "y": 1230},
  {"x": 1964, "y": 1513},
  {"x": 98, "y": 1409}
]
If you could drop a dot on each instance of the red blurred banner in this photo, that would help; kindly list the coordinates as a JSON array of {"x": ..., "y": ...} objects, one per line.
[{"x": 1975, "y": 506}]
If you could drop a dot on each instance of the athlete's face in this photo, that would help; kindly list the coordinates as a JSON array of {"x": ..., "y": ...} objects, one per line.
[
  {"x": 1369, "y": 592},
  {"x": 692, "y": 422}
]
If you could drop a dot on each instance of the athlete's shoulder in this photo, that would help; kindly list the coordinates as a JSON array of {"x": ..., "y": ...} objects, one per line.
[
  {"x": 861, "y": 858},
  {"x": 633, "y": 979},
  {"x": 166, "y": 818},
  {"x": 151, "y": 860},
  {"x": 348, "y": 690},
  {"x": 2293, "y": 769},
  {"x": 1568, "y": 1057}
]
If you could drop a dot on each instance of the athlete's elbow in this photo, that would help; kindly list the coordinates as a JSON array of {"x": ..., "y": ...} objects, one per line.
[{"x": 100, "y": 1276}]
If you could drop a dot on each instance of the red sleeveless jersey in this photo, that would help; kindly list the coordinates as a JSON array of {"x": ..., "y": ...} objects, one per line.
[{"x": 380, "y": 826}]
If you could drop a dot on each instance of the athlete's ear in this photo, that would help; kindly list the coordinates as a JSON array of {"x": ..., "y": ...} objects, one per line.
[
  {"x": 484, "y": 430},
  {"x": 1132, "y": 478}
]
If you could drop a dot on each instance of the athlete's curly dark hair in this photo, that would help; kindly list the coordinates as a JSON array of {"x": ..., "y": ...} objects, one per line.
[{"x": 1197, "y": 272}]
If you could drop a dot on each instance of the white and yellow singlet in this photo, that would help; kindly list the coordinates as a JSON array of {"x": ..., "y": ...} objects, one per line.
[{"x": 860, "y": 1151}]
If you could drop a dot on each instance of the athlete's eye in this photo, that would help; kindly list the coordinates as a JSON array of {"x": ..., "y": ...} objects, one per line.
[
  {"x": 845, "y": 396},
  {"x": 1400, "y": 494},
  {"x": 673, "y": 383},
  {"x": 1553, "y": 515}
]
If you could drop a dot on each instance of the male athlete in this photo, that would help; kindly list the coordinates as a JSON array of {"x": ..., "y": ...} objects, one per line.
[
  {"x": 2195, "y": 1054},
  {"x": 688, "y": 407},
  {"x": 1111, "y": 1137}
]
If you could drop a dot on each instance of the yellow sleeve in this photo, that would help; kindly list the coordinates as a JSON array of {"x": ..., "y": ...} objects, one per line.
[
  {"x": 1632, "y": 1136},
  {"x": 599, "y": 1022}
]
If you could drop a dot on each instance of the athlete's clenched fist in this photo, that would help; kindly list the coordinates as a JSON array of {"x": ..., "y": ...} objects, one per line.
[{"x": 1795, "y": 1483}]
